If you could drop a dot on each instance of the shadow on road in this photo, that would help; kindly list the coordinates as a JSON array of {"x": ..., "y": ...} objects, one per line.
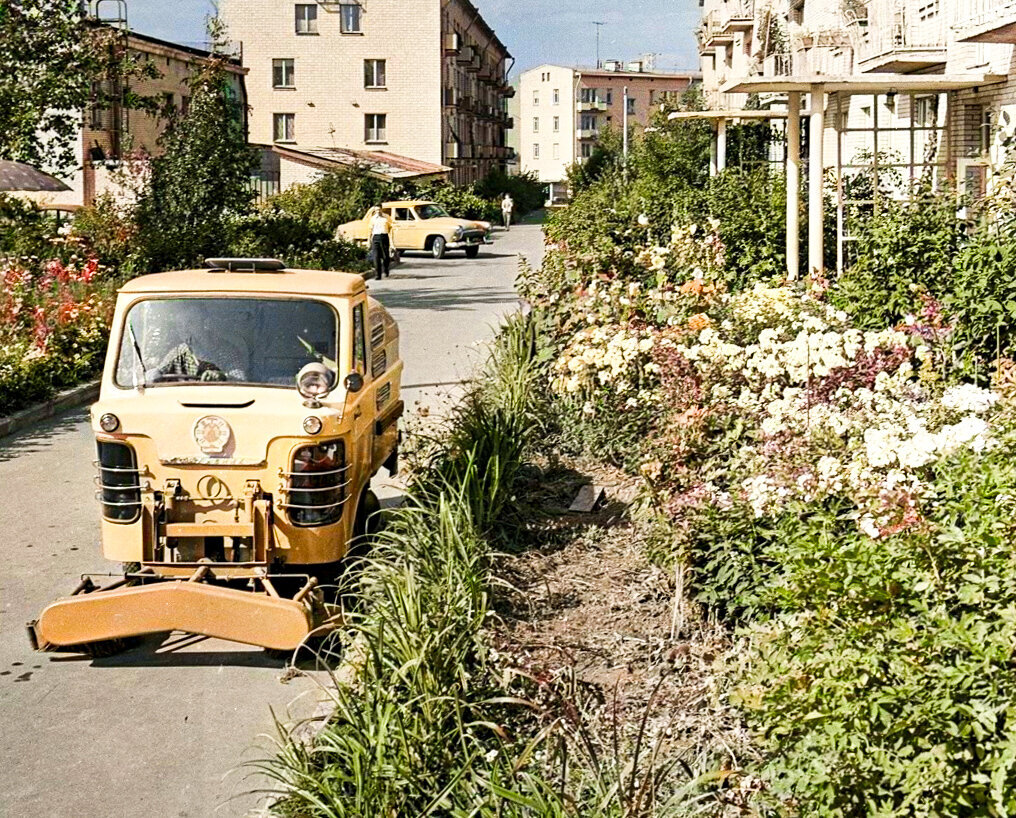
[
  {"x": 41, "y": 436},
  {"x": 430, "y": 298}
]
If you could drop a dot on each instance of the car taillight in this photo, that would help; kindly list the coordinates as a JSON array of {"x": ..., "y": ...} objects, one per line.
[
  {"x": 119, "y": 482},
  {"x": 316, "y": 487}
]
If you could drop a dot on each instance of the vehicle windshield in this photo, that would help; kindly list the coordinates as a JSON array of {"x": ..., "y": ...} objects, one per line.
[
  {"x": 431, "y": 211},
  {"x": 259, "y": 341}
]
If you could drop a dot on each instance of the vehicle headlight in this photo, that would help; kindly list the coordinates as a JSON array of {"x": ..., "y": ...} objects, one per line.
[
  {"x": 459, "y": 232},
  {"x": 109, "y": 422},
  {"x": 312, "y": 425},
  {"x": 315, "y": 381}
]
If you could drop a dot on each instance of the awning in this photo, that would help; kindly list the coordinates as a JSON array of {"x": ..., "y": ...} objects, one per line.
[
  {"x": 379, "y": 164},
  {"x": 17, "y": 176},
  {"x": 862, "y": 83}
]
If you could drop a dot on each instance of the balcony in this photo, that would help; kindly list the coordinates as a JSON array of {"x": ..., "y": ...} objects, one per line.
[
  {"x": 465, "y": 54},
  {"x": 451, "y": 96},
  {"x": 452, "y": 43},
  {"x": 987, "y": 21},
  {"x": 894, "y": 40},
  {"x": 592, "y": 105},
  {"x": 451, "y": 150},
  {"x": 720, "y": 25},
  {"x": 588, "y": 133}
]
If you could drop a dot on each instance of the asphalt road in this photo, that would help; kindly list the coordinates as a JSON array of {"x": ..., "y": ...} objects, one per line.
[{"x": 166, "y": 729}]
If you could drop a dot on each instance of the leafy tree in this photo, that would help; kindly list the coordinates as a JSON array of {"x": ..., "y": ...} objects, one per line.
[
  {"x": 200, "y": 179},
  {"x": 54, "y": 63}
]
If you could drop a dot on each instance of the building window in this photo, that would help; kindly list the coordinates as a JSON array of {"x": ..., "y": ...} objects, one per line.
[
  {"x": 631, "y": 106},
  {"x": 925, "y": 111},
  {"x": 555, "y": 151},
  {"x": 588, "y": 122},
  {"x": 985, "y": 132},
  {"x": 374, "y": 74},
  {"x": 927, "y": 10},
  {"x": 587, "y": 150},
  {"x": 375, "y": 127},
  {"x": 282, "y": 74},
  {"x": 284, "y": 127},
  {"x": 350, "y": 18},
  {"x": 557, "y": 124},
  {"x": 306, "y": 18},
  {"x": 557, "y": 96},
  {"x": 536, "y": 124},
  {"x": 184, "y": 104},
  {"x": 536, "y": 97},
  {"x": 609, "y": 96},
  {"x": 536, "y": 150}
]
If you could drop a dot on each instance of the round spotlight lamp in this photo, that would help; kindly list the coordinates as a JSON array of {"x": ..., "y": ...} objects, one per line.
[
  {"x": 315, "y": 381},
  {"x": 312, "y": 425},
  {"x": 109, "y": 422}
]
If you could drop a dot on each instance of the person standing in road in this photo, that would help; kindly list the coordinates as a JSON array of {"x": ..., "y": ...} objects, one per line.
[
  {"x": 381, "y": 242},
  {"x": 506, "y": 210}
]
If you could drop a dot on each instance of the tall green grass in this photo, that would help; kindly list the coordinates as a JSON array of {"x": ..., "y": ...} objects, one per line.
[{"x": 429, "y": 725}]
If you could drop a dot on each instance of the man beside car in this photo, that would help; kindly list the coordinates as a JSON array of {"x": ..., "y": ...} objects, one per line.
[{"x": 381, "y": 242}]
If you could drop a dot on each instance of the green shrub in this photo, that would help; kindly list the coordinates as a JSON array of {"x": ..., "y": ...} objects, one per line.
[
  {"x": 906, "y": 249},
  {"x": 527, "y": 191}
]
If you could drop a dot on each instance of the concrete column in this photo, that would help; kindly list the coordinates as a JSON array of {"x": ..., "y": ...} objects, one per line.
[
  {"x": 713, "y": 154},
  {"x": 816, "y": 135},
  {"x": 793, "y": 171},
  {"x": 721, "y": 145}
]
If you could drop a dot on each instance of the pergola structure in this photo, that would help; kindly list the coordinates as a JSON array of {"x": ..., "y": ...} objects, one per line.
[{"x": 819, "y": 87}]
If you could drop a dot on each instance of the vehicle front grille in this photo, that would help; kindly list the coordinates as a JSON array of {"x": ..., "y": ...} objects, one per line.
[
  {"x": 314, "y": 492},
  {"x": 119, "y": 482}
]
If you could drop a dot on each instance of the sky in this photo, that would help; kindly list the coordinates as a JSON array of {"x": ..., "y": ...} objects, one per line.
[{"x": 535, "y": 31}]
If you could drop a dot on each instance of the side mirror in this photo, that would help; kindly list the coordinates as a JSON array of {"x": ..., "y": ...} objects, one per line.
[{"x": 353, "y": 382}]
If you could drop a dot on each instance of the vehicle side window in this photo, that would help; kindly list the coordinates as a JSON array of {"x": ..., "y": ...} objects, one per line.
[
  {"x": 413, "y": 214},
  {"x": 359, "y": 341},
  {"x": 387, "y": 211},
  {"x": 402, "y": 214}
]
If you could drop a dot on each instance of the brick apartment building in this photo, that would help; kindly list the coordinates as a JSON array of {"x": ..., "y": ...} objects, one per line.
[
  {"x": 562, "y": 111},
  {"x": 106, "y": 134},
  {"x": 421, "y": 79}
]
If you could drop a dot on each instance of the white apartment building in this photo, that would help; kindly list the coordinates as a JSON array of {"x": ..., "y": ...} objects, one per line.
[
  {"x": 907, "y": 89},
  {"x": 423, "y": 79},
  {"x": 563, "y": 109}
]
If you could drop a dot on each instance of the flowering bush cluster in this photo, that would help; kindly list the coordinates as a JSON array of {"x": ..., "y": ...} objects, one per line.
[
  {"x": 53, "y": 326},
  {"x": 834, "y": 491}
]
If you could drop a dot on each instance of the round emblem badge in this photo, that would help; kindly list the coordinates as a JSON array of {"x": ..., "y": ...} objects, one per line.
[{"x": 212, "y": 434}]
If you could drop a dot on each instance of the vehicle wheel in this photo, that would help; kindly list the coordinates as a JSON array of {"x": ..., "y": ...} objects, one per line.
[
  {"x": 473, "y": 252},
  {"x": 438, "y": 247},
  {"x": 368, "y": 521}
]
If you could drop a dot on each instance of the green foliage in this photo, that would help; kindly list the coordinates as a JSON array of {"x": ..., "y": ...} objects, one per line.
[
  {"x": 460, "y": 202},
  {"x": 883, "y": 683},
  {"x": 335, "y": 198},
  {"x": 202, "y": 177},
  {"x": 526, "y": 190},
  {"x": 907, "y": 248},
  {"x": 980, "y": 299},
  {"x": 605, "y": 159}
]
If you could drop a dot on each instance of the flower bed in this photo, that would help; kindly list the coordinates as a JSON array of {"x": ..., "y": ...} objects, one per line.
[
  {"x": 54, "y": 319},
  {"x": 833, "y": 494}
]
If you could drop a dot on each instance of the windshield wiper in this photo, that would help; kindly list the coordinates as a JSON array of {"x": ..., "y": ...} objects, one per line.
[{"x": 140, "y": 357}]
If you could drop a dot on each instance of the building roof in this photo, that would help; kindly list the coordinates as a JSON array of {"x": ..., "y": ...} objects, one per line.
[
  {"x": 861, "y": 83},
  {"x": 288, "y": 282},
  {"x": 477, "y": 19},
  {"x": 380, "y": 164},
  {"x": 658, "y": 75}
]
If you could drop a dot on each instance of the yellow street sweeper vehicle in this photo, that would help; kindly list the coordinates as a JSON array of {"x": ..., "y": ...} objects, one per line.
[{"x": 243, "y": 411}]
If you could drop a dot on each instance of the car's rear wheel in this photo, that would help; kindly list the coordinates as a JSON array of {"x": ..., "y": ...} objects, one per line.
[
  {"x": 473, "y": 252},
  {"x": 437, "y": 249}
]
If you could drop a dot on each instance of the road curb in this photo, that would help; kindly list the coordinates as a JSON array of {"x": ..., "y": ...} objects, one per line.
[{"x": 68, "y": 399}]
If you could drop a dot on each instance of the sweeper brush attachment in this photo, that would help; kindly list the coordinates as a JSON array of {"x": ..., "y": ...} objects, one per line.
[{"x": 95, "y": 616}]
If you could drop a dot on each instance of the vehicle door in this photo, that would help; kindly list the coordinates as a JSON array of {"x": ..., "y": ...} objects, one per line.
[
  {"x": 362, "y": 403},
  {"x": 405, "y": 229}
]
